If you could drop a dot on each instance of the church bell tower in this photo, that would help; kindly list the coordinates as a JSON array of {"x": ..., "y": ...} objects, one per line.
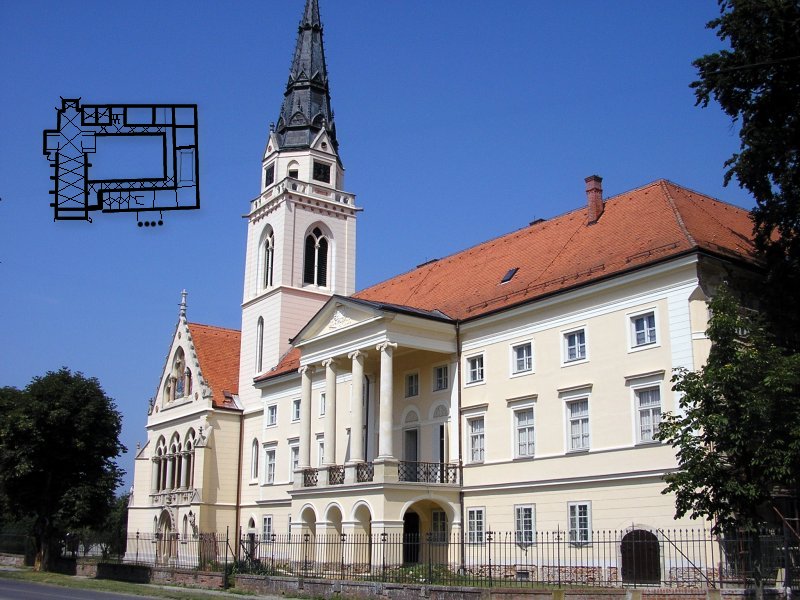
[{"x": 301, "y": 235}]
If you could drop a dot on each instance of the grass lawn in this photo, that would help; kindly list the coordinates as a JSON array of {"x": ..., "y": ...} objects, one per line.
[{"x": 121, "y": 587}]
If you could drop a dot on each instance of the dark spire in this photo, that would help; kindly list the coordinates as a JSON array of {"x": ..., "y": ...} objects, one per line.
[{"x": 307, "y": 102}]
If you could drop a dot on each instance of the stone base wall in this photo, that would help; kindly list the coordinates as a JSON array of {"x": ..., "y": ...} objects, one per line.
[{"x": 12, "y": 560}]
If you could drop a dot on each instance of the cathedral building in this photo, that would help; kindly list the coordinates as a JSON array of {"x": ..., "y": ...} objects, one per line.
[{"x": 514, "y": 386}]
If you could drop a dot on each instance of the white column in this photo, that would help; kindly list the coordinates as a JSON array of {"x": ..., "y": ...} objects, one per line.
[
  {"x": 330, "y": 412},
  {"x": 385, "y": 444},
  {"x": 305, "y": 417},
  {"x": 357, "y": 417},
  {"x": 452, "y": 438}
]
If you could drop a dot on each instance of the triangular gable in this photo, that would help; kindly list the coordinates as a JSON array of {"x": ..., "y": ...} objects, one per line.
[
  {"x": 323, "y": 138},
  {"x": 272, "y": 145},
  {"x": 337, "y": 314}
]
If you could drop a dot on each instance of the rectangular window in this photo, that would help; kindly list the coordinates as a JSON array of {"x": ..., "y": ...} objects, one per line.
[
  {"x": 648, "y": 403},
  {"x": 439, "y": 527},
  {"x": 524, "y": 524},
  {"x": 580, "y": 522},
  {"x": 272, "y": 415},
  {"x": 523, "y": 424},
  {"x": 475, "y": 525},
  {"x": 269, "y": 474},
  {"x": 643, "y": 329},
  {"x": 269, "y": 175},
  {"x": 294, "y": 461},
  {"x": 522, "y": 358},
  {"x": 575, "y": 345},
  {"x": 476, "y": 440},
  {"x": 320, "y": 452},
  {"x": 412, "y": 385},
  {"x": 578, "y": 424},
  {"x": 322, "y": 405},
  {"x": 440, "y": 377},
  {"x": 475, "y": 369},
  {"x": 322, "y": 172},
  {"x": 266, "y": 528},
  {"x": 296, "y": 409}
]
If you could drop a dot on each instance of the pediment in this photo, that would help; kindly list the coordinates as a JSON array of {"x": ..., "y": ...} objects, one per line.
[
  {"x": 338, "y": 314},
  {"x": 323, "y": 143}
]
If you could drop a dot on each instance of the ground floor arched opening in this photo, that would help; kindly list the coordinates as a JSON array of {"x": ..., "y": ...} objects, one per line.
[
  {"x": 641, "y": 557},
  {"x": 166, "y": 539},
  {"x": 427, "y": 528},
  {"x": 360, "y": 540}
]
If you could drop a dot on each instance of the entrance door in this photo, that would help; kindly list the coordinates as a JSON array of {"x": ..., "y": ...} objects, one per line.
[
  {"x": 411, "y": 453},
  {"x": 411, "y": 538},
  {"x": 641, "y": 557}
]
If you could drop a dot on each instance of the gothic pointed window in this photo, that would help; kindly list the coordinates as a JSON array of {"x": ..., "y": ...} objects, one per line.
[
  {"x": 315, "y": 266},
  {"x": 268, "y": 260},
  {"x": 260, "y": 345}
]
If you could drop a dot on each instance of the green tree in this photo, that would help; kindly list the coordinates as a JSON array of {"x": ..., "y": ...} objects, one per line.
[
  {"x": 58, "y": 441},
  {"x": 737, "y": 430},
  {"x": 757, "y": 83}
]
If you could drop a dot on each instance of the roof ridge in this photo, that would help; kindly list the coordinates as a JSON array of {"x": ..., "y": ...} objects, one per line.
[{"x": 676, "y": 212}]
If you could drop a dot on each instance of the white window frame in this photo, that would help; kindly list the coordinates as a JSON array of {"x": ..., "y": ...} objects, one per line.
[
  {"x": 471, "y": 438},
  {"x": 266, "y": 528},
  {"x": 435, "y": 378},
  {"x": 515, "y": 371},
  {"x": 637, "y": 390},
  {"x": 270, "y": 463},
  {"x": 479, "y": 371},
  {"x": 476, "y": 525},
  {"x": 321, "y": 402},
  {"x": 565, "y": 360},
  {"x": 294, "y": 449},
  {"x": 296, "y": 405},
  {"x": 573, "y": 533},
  {"x": 272, "y": 416},
  {"x": 631, "y": 330},
  {"x": 568, "y": 402},
  {"x": 515, "y": 438},
  {"x": 521, "y": 536},
  {"x": 411, "y": 384},
  {"x": 320, "y": 449}
]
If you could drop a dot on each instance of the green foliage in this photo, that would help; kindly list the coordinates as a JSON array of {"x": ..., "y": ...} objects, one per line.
[
  {"x": 757, "y": 83},
  {"x": 58, "y": 441},
  {"x": 737, "y": 430}
]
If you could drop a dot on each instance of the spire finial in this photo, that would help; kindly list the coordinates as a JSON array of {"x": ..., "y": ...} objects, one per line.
[{"x": 183, "y": 305}]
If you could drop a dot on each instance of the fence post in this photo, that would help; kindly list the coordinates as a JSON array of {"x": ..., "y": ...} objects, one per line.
[
  {"x": 343, "y": 537},
  {"x": 272, "y": 537},
  {"x": 225, "y": 566},
  {"x": 428, "y": 537},
  {"x": 558, "y": 554},
  {"x": 383, "y": 553},
  {"x": 137, "y": 547},
  {"x": 489, "y": 540},
  {"x": 305, "y": 553}
]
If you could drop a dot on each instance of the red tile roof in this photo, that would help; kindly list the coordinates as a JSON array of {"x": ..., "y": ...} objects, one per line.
[
  {"x": 640, "y": 227},
  {"x": 218, "y": 354},
  {"x": 658, "y": 221}
]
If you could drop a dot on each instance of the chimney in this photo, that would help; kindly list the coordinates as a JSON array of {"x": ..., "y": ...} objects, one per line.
[{"x": 594, "y": 198}]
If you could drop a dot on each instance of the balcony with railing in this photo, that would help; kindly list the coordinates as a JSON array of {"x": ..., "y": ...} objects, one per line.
[
  {"x": 311, "y": 190},
  {"x": 310, "y": 477},
  {"x": 336, "y": 475},
  {"x": 428, "y": 472}
]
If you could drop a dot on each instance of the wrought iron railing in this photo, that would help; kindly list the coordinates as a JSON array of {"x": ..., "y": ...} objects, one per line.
[
  {"x": 365, "y": 472},
  {"x": 336, "y": 475},
  {"x": 310, "y": 477},
  {"x": 426, "y": 472}
]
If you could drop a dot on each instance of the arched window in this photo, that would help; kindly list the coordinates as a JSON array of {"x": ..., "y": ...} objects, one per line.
[
  {"x": 161, "y": 454},
  {"x": 315, "y": 266},
  {"x": 254, "y": 451},
  {"x": 268, "y": 259},
  {"x": 185, "y": 528},
  {"x": 175, "y": 462},
  {"x": 260, "y": 345},
  {"x": 188, "y": 459}
]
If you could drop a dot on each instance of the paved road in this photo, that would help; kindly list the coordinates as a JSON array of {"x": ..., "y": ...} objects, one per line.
[{"x": 24, "y": 590}]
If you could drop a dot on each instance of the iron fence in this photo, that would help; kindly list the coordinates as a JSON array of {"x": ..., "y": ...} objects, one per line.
[
  {"x": 427, "y": 472},
  {"x": 664, "y": 558},
  {"x": 12, "y": 543}
]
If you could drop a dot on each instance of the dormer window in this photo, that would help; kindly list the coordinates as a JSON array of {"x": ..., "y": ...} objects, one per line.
[
  {"x": 322, "y": 172},
  {"x": 269, "y": 175},
  {"x": 315, "y": 265}
]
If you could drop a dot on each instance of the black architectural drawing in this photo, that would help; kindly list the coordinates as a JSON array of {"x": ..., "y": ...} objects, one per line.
[{"x": 86, "y": 131}]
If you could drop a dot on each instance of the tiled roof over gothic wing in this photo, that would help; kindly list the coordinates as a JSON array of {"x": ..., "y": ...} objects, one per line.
[
  {"x": 288, "y": 363},
  {"x": 306, "y": 106},
  {"x": 637, "y": 228},
  {"x": 218, "y": 354}
]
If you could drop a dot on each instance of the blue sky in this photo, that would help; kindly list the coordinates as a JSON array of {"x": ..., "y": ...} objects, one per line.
[{"x": 458, "y": 120}]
